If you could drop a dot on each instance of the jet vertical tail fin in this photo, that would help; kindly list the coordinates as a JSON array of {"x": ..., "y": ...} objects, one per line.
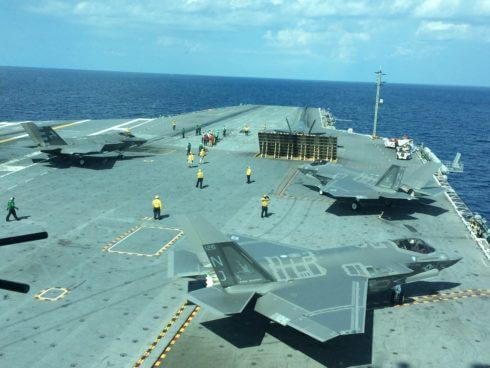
[
  {"x": 43, "y": 136},
  {"x": 392, "y": 178},
  {"x": 233, "y": 266}
]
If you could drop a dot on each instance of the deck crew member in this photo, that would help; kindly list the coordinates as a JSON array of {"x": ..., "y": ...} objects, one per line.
[
  {"x": 174, "y": 124},
  {"x": 248, "y": 172},
  {"x": 183, "y": 133},
  {"x": 224, "y": 132},
  {"x": 11, "y": 209},
  {"x": 188, "y": 148},
  {"x": 265, "y": 205},
  {"x": 190, "y": 159},
  {"x": 202, "y": 153},
  {"x": 200, "y": 178},
  {"x": 157, "y": 207},
  {"x": 246, "y": 129}
]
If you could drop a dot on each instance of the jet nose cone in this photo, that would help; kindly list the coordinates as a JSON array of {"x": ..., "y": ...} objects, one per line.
[
  {"x": 448, "y": 262},
  {"x": 454, "y": 261},
  {"x": 306, "y": 169}
]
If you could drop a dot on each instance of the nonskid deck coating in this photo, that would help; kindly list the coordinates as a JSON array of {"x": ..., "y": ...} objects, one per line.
[{"x": 117, "y": 305}]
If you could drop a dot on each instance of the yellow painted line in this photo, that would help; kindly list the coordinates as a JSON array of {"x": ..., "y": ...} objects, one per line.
[
  {"x": 457, "y": 294},
  {"x": 12, "y": 138},
  {"x": 56, "y": 127},
  {"x": 108, "y": 247},
  {"x": 179, "y": 333},
  {"x": 155, "y": 342}
]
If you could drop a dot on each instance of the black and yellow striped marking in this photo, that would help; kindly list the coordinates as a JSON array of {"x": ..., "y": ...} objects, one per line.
[
  {"x": 170, "y": 243},
  {"x": 155, "y": 342},
  {"x": 106, "y": 247},
  {"x": 459, "y": 294},
  {"x": 179, "y": 333}
]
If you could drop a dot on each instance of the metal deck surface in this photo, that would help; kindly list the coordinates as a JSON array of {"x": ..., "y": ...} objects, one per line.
[{"x": 100, "y": 291}]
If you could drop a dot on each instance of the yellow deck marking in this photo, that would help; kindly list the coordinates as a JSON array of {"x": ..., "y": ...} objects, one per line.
[
  {"x": 457, "y": 294},
  {"x": 179, "y": 333},
  {"x": 108, "y": 247},
  {"x": 41, "y": 296},
  {"x": 155, "y": 342}
]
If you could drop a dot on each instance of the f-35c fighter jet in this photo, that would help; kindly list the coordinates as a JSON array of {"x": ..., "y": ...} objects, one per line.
[
  {"x": 103, "y": 146},
  {"x": 320, "y": 293},
  {"x": 355, "y": 185}
]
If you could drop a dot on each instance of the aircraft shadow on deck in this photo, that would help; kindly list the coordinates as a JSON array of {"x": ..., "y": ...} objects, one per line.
[
  {"x": 398, "y": 210},
  {"x": 90, "y": 163},
  {"x": 249, "y": 328},
  {"x": 411, "y": 290}
]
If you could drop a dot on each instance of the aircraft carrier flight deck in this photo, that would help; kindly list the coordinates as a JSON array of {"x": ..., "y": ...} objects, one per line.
[{"x": 102, "y": 286}]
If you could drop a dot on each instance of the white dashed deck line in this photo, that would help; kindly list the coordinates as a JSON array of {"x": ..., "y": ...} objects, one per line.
[{"x": 119, "y": 126}]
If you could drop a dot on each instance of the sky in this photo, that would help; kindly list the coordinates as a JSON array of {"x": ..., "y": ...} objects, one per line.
[{"x": 414, "y": 41}]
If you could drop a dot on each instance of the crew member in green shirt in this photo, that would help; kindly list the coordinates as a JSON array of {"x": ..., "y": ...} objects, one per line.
[{"x": 11, "y": 208}]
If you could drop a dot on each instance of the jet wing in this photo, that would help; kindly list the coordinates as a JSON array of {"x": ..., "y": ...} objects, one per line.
[
  {"x": 323, "y": 307},
  {"x": 110, "y": 154},
  {"x": 222, "y": 302},
  {"x": 84, "y": 149},
  {"x": 429, "y": 191},
  {"x": 348, "y": 188}
]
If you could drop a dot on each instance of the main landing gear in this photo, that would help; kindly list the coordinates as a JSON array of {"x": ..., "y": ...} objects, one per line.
[
  {"x": 397, "y": 295},
  {"x": 354, "y": 205}
]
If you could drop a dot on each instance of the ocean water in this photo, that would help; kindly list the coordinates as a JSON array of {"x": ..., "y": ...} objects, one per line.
[{"x": 448, "y": 119}]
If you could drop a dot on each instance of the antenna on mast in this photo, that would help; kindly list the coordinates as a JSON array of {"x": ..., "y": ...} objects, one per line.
[{"x": 379, "y": 101}]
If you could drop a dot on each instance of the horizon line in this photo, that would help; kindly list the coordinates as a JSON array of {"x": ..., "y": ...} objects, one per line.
[{"x": 235, "y": 76}]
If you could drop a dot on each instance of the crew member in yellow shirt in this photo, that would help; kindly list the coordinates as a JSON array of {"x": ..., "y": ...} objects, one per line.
[
  {"x": 265, "y": 205},
  {"x": 157, "y": 206},
  {"x": 200, "y": 178},
  {"x": 248, "y": 172},
  {"x": 202, "y": 153},
  {"x": 190, "y": 159}
]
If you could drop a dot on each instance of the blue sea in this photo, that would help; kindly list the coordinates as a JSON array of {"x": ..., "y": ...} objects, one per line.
[{"x": 448, "y": 119}]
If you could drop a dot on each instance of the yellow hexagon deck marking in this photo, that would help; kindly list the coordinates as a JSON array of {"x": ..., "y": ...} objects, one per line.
[{"x": 63, "y": 291}]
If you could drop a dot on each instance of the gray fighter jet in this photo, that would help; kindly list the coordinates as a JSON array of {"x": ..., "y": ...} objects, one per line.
[
  {"x": 103, "y": 146},
  {"x": 320, "y": 293},
  {"x": 355, "y": 185}
]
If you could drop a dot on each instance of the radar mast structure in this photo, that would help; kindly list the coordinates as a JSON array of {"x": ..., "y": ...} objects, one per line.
[{"x": 379, "y": 101}]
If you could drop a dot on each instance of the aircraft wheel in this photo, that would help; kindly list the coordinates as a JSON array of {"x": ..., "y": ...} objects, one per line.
[
  {"x": 320, "y": 192},
  {"x": 388, "y": 203},
  {"x": 82, "y": 162},
  {"x": 354, "y": 206}
]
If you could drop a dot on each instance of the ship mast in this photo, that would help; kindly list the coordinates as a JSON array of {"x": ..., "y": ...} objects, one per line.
[{"x": 379, "y": 101}]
